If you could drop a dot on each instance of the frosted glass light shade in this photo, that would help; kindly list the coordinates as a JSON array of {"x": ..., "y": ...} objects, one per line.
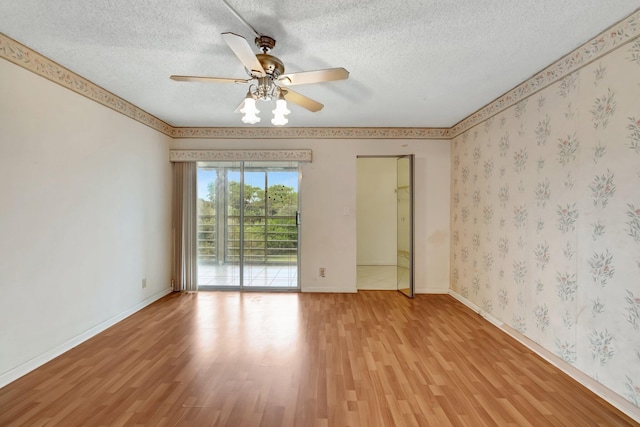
[
  {"x": 250, "y": 111},
  {"x": 279, "y": 120},
  {"x": 281, "y": 108}
]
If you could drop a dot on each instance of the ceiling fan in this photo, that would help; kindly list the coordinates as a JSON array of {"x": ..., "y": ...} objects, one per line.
[{"x": 266, "y": 79}]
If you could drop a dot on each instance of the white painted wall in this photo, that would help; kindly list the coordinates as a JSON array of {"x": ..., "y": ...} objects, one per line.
[
  {"x": 328, "y": 203},
  {"x": 376, "y": 211},
  {"x": 84, "y": 216}
]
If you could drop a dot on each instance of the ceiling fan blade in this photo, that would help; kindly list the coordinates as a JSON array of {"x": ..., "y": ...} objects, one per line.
[
  {"x": 240, "y": 107},
  {"x": 317, "y": 76},
  {"x": 302, "y": 100},
  {"x": 208, "y": 79},
  {"x": 241, "y": 48},
  {"x": 237, "y": 15}
]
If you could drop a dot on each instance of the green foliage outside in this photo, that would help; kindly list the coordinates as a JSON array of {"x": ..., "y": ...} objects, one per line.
[{"x": 270, "y": 231}]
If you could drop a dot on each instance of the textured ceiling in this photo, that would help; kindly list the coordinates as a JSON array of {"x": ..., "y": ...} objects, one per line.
[{"x": 412, "y": 63}]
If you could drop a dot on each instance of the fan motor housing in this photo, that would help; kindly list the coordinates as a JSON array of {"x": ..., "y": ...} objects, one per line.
[
  {"x": 265, "y": 43},
  {"x": 272, "y": 65}
]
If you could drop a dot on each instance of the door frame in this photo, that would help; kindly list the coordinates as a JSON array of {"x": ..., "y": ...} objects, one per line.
[{"x": 411, "y": 211}]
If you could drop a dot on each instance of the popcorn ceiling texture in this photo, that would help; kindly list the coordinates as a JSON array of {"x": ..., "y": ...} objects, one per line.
[{"x": 412, "y": 63}]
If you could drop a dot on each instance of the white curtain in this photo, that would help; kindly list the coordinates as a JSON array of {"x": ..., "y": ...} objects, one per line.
[{"x": 184, "y": 269}]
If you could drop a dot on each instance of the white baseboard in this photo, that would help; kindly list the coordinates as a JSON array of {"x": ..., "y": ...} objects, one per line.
[
  {"x": 622, "y": 404},
  {"x": 329, "y": 289},
  {"x": 373, "y": 288},
  {"x": 40, "y": 360},
  {"x": 437, "y": 291},
  {"x": 477, "y": 309},
  {"x": 391, "y": 263}
]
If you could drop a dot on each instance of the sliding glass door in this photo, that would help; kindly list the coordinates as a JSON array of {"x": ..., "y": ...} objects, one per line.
[{"x": 247, "y": 225}]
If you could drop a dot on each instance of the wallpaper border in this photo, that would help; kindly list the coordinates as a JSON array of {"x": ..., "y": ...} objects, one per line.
[
  {"x": 239, "y": 155},
  {"x": 312, "y": 133},
  {"x": 604, "y": 43},
  {"x": 615, "y": 36},
  {"x": 31, "y": 60}
]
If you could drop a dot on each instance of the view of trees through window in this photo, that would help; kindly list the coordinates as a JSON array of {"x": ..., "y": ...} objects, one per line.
[{"x": 270, "y": 206}]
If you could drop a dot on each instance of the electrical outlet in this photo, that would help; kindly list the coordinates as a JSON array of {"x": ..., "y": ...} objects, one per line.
[
  {"x": 322, "y": 271},
  {"x": 144, "y": 283}
]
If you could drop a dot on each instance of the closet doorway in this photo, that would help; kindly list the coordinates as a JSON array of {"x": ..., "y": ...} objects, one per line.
[{"x": 384, "y": 218}]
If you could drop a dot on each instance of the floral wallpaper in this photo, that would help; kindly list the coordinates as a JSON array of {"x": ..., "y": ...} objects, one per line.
[{"x": 546, "y": 218}]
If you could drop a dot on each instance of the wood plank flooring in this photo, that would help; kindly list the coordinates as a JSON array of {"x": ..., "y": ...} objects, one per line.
[{"x": 374, "y": 358}]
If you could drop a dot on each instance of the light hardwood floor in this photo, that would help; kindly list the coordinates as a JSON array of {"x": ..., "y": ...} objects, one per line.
[{"x": 374, "y": 358}]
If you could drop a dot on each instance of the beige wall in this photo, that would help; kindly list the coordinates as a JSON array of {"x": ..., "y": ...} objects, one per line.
[
  {"x": 328, "y": 203},
  {"x": 85, "y": 216}
]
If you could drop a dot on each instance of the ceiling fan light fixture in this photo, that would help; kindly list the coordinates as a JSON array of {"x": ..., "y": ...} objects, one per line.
[
  {"x": 279, "y": 120},
  {"x": 250, "y": 110},
  {"x": 266, "y": 77},
  {"x": 251, "y": 119},
  {"x": 280, "y": 112},
  {"x": 281, "y": 106}
]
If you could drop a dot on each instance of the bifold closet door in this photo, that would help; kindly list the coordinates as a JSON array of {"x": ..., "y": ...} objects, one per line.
[{"x": 405, "y": 225}]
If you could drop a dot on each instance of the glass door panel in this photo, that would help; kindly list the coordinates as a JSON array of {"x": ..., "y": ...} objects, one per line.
[
  {"x": 271, "y": 232},
  {"x": 255, "y": 223},
  {"x": 218, "y": 225},
  {"x": 230, "y": 223},
  {"x": 282, "y": 225},
  {"x": 404, "y": 274}
]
